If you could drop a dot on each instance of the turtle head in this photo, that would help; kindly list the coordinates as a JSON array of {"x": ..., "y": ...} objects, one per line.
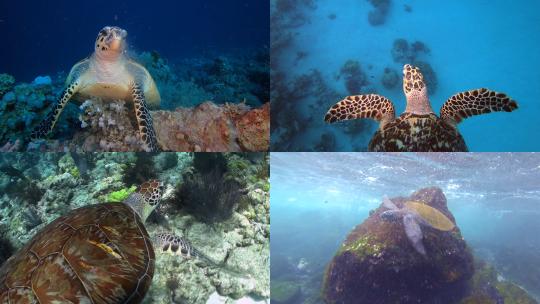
[
  {"x": 415, "y": 90},
  {"x": 391, "y": 215},
  {"x": 111, "y": 42},
  {"x": 146, "y": 199}
]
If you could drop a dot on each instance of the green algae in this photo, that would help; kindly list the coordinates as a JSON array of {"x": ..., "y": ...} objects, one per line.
[
  {"x": 120, "y": 195},
  {"x": 284, "y": 291},
  {"x": 513, "y": 294},
  {"x": 362, "y": 247}
]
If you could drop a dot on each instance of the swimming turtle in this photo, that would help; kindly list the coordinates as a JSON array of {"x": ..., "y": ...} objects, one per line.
[
  {"x": 416, "y": 214},
  {"x": 95, "y": 254},
  {"x": 109, "y": 74},
  {"x": 419, "y": 128}
]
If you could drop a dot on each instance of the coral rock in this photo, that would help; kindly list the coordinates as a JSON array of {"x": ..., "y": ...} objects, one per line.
[
  {"x": 390, "y": 78},
  {"x": 209, "y": 127},
  {"x": 6, "y": 83},
  {"x": 378, "y": 264}
]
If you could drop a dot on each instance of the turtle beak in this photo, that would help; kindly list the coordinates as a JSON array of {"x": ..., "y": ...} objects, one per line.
[
  {"x": 116, "y": 44},
  {"x": 115, "y": 39}
]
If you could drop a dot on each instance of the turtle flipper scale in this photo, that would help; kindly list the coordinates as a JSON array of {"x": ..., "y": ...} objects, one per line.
[
  {"x": 171, "y": 243},
  {"x": 372, "y": 106},
  {"x": 475, "y": 102},
  {"x": 47, "y": 125},
  {"x": 144, "y": 120}
]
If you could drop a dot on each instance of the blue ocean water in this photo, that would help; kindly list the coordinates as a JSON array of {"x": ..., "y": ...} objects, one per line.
[
  {"x": 473, "y": 44},
  {"x": 49, "y": 36},
  {"x": 317, "y": 199}
]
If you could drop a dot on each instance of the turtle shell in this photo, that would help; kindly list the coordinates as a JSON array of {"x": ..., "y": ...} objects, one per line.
[
  {"x": 433, "y": 216},
  {"x": 95, "y": 254},
  {"x": 415, "y": 132}
]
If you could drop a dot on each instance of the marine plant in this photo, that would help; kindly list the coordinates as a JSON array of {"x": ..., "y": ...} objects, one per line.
[
  {"x": 120, "y": 195},
  {"x": 208, "y": 196}
]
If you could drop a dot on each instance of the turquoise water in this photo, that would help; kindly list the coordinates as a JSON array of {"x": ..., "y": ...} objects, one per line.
[
  {"x": 481, "y": 43},
  {"x": 317, "y": 199}
]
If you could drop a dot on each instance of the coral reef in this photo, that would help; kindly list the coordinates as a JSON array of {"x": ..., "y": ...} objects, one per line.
[
  {"x": 377, "y": 263},
  {"x": 218, "y": 77},
  {"x": 240, "y": 77},
  {"x": 355, "y": 78},
  {"x": 24, "y": 105},
  {"x": 239, "y": 244},
  {"x": 6, "y": 83},
  {"x": 488, "y": 287},
  {"x": 403, "y": 52},
  {"x": 110, "y": 126},
  {"x": 429, "y": 75},
  {"x": 377, "y": 16},
  {"x": 390, "y": 78}
]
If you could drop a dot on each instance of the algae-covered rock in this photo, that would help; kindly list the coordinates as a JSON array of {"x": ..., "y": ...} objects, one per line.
[
  {"x": 285, "y": 292},
  {"x": 378, "y": 264},
  {"x": 488, "y": 287}
]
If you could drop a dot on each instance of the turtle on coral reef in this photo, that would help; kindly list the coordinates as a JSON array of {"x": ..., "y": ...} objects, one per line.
[
  {"x": 109, "y": 74},
  {"x": 95, "y": 254},
  {"x": 419, "y": 128},
  {"x": 414, "y": 215}
]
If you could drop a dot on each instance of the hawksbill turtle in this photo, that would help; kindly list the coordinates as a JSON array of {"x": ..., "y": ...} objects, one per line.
[
  {"x": 94, "y": 254},
  {"x": 109, "y": 74},
  {"x": 419, "y": 128},
  {"x": 416, "y": 214}
]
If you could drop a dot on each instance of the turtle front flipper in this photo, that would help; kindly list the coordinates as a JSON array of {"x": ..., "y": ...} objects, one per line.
[
  {"x": 168, "y": 242},
  {"x": 144, "y": 120},
  {"x": 414, "y": 233},
  {"x": 47, "y": 125},
  {"x": 171, "y": 243},
  {"x": 475, "y": 102},
  {"x": 362, "y": 106}
]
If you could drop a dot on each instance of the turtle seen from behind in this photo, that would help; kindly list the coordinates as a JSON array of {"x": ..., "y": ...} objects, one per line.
[
  {"x": 94, "y": 254},
  {"x": 419, "y": 128},
  {"x": 109, "y": 74}
]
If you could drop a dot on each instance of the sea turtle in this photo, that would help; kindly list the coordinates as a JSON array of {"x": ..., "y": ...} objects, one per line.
[
  {"x": 418, "y": 128},
  {"x": 416, "y": 214},
  {"x": 95, "y": 254},
  {"x": 109, "y": 74}
]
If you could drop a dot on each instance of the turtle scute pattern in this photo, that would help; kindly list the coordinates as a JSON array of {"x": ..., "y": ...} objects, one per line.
[
  {"x": 95, "y": 254},
  {"x": 361, "y": 106},
  {"x": 433, "y": 216},
  {"x": 416, "y": 132},
  {"x": 476, "y": 102},
  {"x": 412, "y": 79}
]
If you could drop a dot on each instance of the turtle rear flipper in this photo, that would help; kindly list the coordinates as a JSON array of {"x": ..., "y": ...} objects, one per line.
[
  {"x": 144, "y": 120},
  {"x": 362, "y": 106},
  {"x": 414, "y": 233},
  {"x": 47, "y": 125},
  {"x": 475, "y": 102}
]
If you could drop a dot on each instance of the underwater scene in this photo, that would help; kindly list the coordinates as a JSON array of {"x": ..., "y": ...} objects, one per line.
[
  {"x": 323, "y": 51},
  {"x": 405, "y": 228},
  {"x": 135, "y": 76},
  {"x": 134, "y": 227}
]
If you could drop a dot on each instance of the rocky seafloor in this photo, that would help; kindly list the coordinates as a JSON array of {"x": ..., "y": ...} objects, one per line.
[
  {"x": 220, "y": 203},
  {"x": 208, "y": 103},
  {"x": 377, "y": 264}
]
